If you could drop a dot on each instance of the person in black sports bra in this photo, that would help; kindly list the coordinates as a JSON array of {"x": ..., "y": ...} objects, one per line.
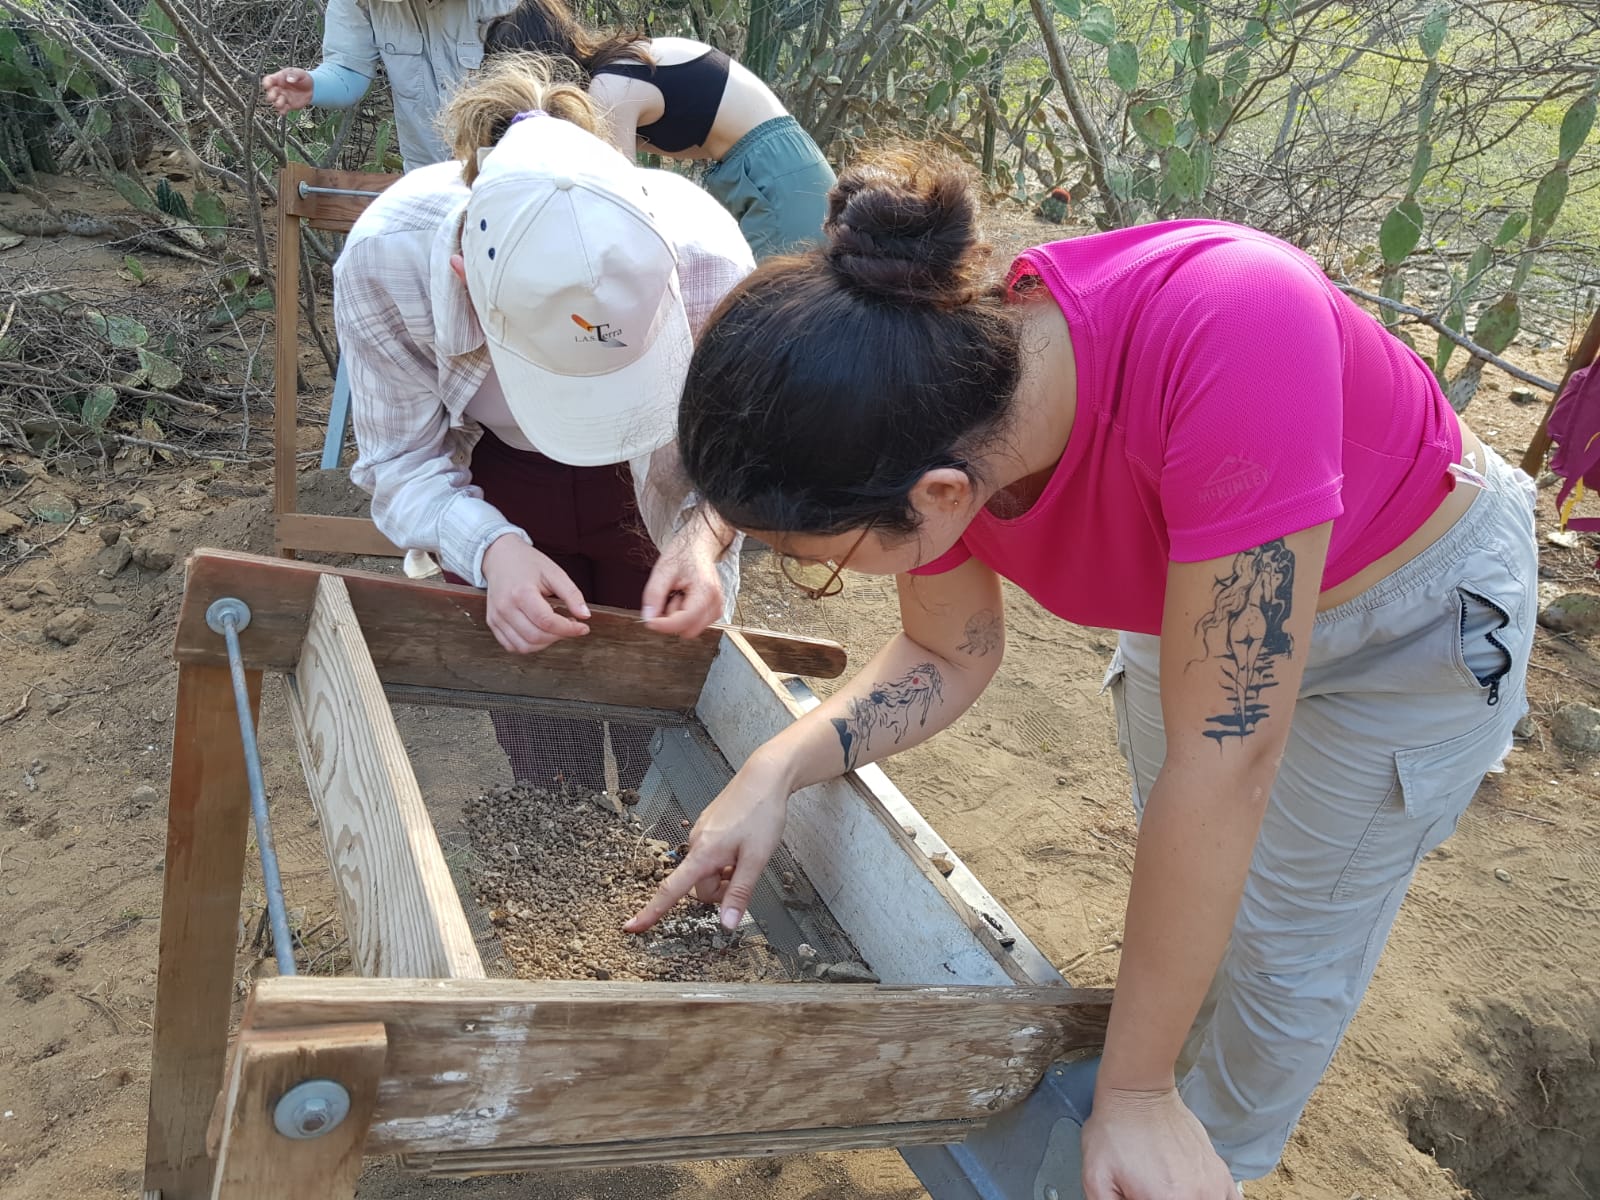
[
  {"x": 681, "y": 98},
  {"x": 691, "y": 93}
]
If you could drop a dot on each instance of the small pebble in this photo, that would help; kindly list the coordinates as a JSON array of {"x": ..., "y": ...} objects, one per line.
[
  {"x": 148, "y": 558},
  {"x": 1503, "y": 875},
  {"x": 68, "y": 627},
  {"x": 1572, "y": 612},
  {"x": 110, "y": 561},
  {"x": 943, "y": 864},
  {"x": 1576, "y": 727}
]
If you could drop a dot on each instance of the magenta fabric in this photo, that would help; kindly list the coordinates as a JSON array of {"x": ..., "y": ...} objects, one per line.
[
  {"x": 1228, "y": 395},
  {"x": 1574, "y": 427}
]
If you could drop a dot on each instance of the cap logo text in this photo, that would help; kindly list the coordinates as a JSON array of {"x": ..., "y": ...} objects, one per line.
[{"x": 606, "y": 335}]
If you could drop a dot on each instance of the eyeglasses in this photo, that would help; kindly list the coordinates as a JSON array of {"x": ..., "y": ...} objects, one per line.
[{"x": 794, "y": 570}]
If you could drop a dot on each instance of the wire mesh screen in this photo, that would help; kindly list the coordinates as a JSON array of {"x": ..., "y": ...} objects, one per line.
[{"x": 482, "y": 761}]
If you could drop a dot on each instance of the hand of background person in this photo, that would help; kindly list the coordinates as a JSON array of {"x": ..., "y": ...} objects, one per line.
[
  {"x": 684, "y": 592},
  {"x": 728, "y": 847},
  {"x": 520, "y": 580},
  {"x": 288, "y": 89},
  {"x": 1149, "y": 1146}
]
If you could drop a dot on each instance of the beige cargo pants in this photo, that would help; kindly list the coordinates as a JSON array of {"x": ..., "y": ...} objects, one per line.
[{"x": 1409, "y": 698}]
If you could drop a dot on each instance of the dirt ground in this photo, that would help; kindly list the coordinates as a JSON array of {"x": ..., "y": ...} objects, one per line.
[{"x": 1471, "y": 1068}]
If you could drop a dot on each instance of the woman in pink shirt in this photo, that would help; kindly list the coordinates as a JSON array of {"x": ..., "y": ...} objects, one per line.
[{"x": 1324, "y": 584}]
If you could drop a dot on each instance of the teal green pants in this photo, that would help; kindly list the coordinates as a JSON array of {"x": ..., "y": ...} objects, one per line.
[{"x": 775, "y": 182}]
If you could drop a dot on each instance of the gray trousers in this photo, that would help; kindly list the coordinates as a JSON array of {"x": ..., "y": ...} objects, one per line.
[{"x": 1410, "y": 694}]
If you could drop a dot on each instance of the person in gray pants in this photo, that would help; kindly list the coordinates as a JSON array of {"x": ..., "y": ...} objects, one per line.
[
  {"x": 427, "y": 48},
  {"x": 1324, "y": 582}
]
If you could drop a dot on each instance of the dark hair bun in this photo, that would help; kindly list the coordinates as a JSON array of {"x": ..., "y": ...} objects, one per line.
[{"x": 903, "y": 225}]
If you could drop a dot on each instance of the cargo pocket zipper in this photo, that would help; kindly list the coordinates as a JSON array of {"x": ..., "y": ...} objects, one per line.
[{"x": 1493, "y": 682}]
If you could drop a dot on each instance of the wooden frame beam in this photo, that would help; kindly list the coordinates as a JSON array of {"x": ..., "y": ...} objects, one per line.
[
  {"x": 318, "y": 534},
  {"x": 506, "y": 1159},
  {"x": 286, "y": 358},
  {"x": 254, "y": 1159},
  {"x": 208, "y": 814},
  {"x": 399, "y": 904},
  {"x": 478, "y": 1064},
  {"x": 427, "y": 634}
]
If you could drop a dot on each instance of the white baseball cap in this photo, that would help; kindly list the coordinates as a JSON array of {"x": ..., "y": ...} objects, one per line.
[{"x": 577, "y": 291}]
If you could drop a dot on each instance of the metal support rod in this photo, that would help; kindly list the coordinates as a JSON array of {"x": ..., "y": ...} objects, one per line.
[
  {"x": 228, "y": 616},
  {"x": 307, "y": 189}
]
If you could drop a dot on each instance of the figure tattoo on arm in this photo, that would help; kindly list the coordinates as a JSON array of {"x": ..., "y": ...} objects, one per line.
[
  {"x": 982, "y": 634},
  {"x": 1246, "y": 631},
  {"x": 889, "y": 706}
]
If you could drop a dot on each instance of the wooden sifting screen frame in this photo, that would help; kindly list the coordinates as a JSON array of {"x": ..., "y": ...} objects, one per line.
[
  {"x": 299, "y": 207},
  {"x": 460, "y": 1074}
]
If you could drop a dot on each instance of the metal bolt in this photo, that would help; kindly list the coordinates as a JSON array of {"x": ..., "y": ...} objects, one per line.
[
  {"x": 224, "y": 608},
  {"x": 311, "y": 1109}
]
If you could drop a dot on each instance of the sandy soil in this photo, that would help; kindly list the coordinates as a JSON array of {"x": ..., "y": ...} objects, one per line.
[{"x": 1471, "y": 1066}]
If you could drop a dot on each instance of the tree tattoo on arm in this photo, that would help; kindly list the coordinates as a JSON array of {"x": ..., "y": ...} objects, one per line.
[
  {"x": 982, "y": 634},
  {"x": 1246, "y": 631},
  {"x": 889, "y": 706}
]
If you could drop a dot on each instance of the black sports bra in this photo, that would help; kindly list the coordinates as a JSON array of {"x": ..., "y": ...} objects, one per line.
[{"x": 692, "y": 93}]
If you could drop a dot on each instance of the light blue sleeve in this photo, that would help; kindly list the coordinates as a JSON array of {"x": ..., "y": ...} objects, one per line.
[
  {"x": 336, "y": 86},
  {"x": 348, "y": 41}
]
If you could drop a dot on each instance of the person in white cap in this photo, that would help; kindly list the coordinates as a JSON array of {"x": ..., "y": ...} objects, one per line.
[
  {"x": 518, "y": 324},
  {"x": 427, "y": 48}
]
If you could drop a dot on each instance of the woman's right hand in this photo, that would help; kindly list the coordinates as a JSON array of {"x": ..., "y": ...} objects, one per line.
[
  {"x": 288, "y": 89},
  {"x": 728, "y": 846},
  {"x": 520, "y": 578}
]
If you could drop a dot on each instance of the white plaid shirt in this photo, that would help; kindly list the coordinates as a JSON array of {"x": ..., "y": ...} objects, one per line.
[{"x": 416, "y": 356}]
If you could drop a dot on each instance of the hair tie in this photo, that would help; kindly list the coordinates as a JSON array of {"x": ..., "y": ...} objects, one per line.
[{"x": 522, "y": 116}]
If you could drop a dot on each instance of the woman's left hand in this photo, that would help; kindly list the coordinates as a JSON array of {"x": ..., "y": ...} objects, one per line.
[
  {"x": 1148, "y": 1146},
  {"x": 684, "y": 593}
]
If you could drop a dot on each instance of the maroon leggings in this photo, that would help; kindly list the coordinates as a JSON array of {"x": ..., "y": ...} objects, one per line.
[{"x": 584, "y": 518}]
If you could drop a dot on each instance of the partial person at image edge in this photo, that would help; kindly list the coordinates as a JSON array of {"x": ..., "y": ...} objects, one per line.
[
  {"x": 680, "y": 98},
  {"x": 427, "y": 51}
]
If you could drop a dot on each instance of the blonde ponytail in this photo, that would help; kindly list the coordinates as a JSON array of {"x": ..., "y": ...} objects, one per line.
[{"x": 479, "y": 114}]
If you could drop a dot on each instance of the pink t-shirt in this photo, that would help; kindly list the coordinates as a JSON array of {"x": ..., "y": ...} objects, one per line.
[{"x": 1228, "y": 395}]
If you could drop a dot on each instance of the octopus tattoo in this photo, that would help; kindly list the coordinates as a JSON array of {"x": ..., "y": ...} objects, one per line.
[{"x": 889, "y": 707}]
